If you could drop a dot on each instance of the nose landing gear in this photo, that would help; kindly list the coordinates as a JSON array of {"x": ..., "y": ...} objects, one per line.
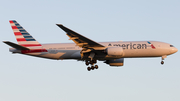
[
  {"x": 163, "y": 57},
  {"x": 162, "y": 62}
]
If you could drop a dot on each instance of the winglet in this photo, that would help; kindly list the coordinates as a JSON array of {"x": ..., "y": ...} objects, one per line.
[
  {"x": 64, "y": 28},
  {"x": 19, "y": 47}
]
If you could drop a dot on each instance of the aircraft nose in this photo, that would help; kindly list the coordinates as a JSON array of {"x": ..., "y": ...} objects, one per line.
[{"x": 174, "y": 50}]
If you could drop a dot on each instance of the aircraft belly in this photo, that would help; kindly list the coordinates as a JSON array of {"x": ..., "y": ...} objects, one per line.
[
  {"x": 46, "y": 55},
  {"x": 71, "y": 54},
  {"x": 143, "y": 53}
]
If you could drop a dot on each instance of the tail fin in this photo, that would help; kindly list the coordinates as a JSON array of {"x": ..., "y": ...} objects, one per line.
[{"x": 22, "y": 36}]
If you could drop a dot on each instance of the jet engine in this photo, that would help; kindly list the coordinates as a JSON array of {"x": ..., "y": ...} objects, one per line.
[
  {"x": 115, "y": 62},
  {"x": 114, "y": 51}
]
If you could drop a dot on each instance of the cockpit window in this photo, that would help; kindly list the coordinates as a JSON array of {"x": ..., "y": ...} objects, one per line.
[{"x": 171, "y": 46}]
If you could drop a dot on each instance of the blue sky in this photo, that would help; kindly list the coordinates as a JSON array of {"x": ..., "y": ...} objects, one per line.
[{"x": 25, "y": 78}]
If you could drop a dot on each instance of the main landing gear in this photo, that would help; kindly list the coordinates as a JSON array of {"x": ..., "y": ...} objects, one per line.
[{"x": 92, "y": 67}]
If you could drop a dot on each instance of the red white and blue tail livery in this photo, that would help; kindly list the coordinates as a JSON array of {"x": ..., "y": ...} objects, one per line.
[
  {"x": 85, "y": 49},
  {"x": 24, "y": 39},
  {"x": 22, "y": 36}
]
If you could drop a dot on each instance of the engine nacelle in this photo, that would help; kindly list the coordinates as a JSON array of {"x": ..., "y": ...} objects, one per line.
[
  {"x": 115, "y": 62},
  {"x": 114, "y": 51}
]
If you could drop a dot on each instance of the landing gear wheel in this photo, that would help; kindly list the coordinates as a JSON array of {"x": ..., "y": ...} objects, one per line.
[
  {"x": 91, "y": 62},
  {"x": 92, "y": 67},
  {"x": 96, "y": 66},
  {"x": 87, "y": 63},
  {"x": 89, "y": 68},
  {"x": 94, "y": 61},
  {"x": 162, "y": 62}
]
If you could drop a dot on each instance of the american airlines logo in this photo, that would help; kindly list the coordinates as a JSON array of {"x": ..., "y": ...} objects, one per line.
[{"x": 152, "y": 46}]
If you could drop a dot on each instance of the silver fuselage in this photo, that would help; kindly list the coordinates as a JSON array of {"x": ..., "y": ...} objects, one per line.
[{"x": 131, "y": 49}]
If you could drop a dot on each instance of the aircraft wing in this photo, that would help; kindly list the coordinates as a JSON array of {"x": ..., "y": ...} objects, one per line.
[{"x": 80, "y": 40}]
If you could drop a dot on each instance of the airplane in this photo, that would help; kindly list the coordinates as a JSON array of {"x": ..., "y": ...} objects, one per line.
[{"x": 87, "y": 50}]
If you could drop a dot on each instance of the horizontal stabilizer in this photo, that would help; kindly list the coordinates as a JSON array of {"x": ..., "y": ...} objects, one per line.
[{"x": 19, "y": 47}]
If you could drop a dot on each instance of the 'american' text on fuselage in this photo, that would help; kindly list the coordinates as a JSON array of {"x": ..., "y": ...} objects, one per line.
[{"x": 130, "y": 46}]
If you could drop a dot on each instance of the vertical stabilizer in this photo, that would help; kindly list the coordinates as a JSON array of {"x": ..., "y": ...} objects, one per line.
[{"x": 22, "y": 36}]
